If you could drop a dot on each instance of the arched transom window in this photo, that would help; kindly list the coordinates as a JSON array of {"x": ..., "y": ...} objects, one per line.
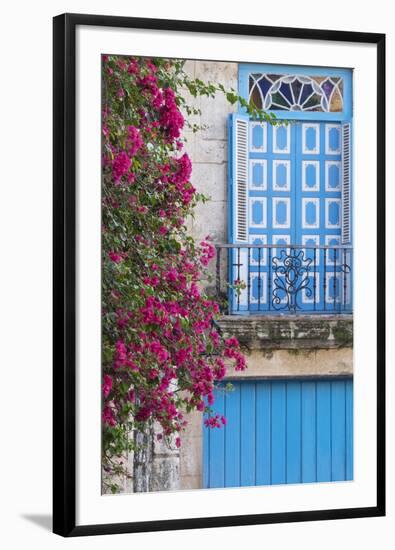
[{"x": 294, "y": 92}]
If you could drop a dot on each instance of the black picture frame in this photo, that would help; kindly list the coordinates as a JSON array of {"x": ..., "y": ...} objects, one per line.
[{"x": 64, "y": 273}]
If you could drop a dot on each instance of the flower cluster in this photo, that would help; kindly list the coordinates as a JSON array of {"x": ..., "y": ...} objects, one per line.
[
  {"x": 120, "y": 165},
  {"x": 171, "y": 119},
  {"x": 208, "y": 251},
  {"x": 162, "y": 356},
  {"x": 215, "y": 421},
  {"x": 133, "y": 141}
]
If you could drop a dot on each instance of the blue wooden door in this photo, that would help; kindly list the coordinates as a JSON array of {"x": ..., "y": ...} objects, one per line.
[
  {"x": 295, "y": 431},
  {"x": 318, "y": 203},
  {"x": 293, "y": 197}
]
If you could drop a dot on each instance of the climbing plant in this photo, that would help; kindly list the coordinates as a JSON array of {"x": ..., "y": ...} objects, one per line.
[{"x": 162, "y": 355}]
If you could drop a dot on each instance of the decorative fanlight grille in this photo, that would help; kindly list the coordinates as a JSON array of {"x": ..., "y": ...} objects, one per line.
[{"x": 296, "y": 92}]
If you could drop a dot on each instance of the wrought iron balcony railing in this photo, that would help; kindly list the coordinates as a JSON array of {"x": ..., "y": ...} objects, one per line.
[{"x": 282, "y": 278}]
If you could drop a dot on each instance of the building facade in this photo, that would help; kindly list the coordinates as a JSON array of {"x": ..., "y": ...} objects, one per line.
[{"x": 281, "y": 215}]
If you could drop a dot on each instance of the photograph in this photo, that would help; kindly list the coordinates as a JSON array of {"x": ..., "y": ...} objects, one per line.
[{"x": 226, "y": 274}]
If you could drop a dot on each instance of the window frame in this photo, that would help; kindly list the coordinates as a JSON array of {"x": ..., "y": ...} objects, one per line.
[{"x": 245, "y": 69}]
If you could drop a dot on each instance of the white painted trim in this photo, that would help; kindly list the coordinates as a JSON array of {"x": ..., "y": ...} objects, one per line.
[
  {"x": 263, "y": 187},
  {"x": 287, "y": 149},
  {"x": 262, "y": 149},
  {"x": 316, "y": 201},
  {"x": 316, "y": 187},
  {"x": 316, "y": 239},
  {"x": 263, "y": 277},
  {"x": 305, "y": 298},
  {"x": 339, "y": 287},
  {"x": 316, "y": 150},
  {"x": 328, "y": 225},
  {"x": 287, "y": 223},
  {"x": 263, "y": 200},
  {"x": 328, "y": 164},
  {"x": 287, "y": 186},
  {"x": 263, "y": 257},
  {"x": 328, "y": 238},
  {"x": 328, "y": 151}
]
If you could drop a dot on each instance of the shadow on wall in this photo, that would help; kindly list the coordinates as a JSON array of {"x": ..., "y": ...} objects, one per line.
[{"x": 42, "y": 520}]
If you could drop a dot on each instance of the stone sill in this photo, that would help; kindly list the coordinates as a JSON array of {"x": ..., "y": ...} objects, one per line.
[{"x": 269, "y": 332}]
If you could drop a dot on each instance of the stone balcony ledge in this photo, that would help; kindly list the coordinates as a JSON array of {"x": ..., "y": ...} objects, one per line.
[{"x": 297, "y": 332}]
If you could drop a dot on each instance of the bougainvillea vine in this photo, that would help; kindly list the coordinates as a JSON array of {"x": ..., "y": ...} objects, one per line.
[{"x": 162, "y": 356}]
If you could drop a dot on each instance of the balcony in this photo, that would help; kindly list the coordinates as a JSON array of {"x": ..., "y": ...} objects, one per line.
[{"x": 280, "y": 279}]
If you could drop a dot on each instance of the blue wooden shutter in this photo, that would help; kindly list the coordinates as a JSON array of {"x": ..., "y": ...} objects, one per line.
[
  {"x": 346, "y": 183},
  {"x": 239, "y": 178}
]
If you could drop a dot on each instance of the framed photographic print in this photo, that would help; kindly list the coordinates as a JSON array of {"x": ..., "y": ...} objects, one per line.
[{"x": 219, "y": 274}]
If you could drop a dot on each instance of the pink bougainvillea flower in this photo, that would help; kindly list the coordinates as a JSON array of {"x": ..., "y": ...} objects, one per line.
[
  {"x": 133, "y": 67},
  {"x": 107, "y": 385},
  {"x": 208, "y": 252},
  {"x": 171, "y": 118},
  {"x": 120, "y": 166},
  {"x": 131, "y": 177},
  {"x": 232, "y": 342},
  {"x": 213, "y": 421},
  {"x": 134, "y": 140},
  {"x": 115, "y": 256},
  {"x": 183, "y": 170},
  {"x": 120, "y": 357},
  {"x": 108, "y": 417}
]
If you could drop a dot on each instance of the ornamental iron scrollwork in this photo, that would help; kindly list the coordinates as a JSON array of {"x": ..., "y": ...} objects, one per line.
[
  {"x": 290, "y": 277},
  {"x": 270, "y": 278}
]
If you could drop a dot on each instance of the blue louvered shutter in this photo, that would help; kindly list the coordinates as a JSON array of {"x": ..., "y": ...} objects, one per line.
[
  {"x": 346, "y": 183},
  {"x": 239, "y": 177}
]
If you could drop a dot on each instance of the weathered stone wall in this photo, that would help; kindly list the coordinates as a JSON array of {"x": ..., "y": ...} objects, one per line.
[
  {"x": 273, "y": 332},
  {"x": 154, "y": 467},
  {"x": 208, "y": 149},
  {"x": 165, "y": 466}
]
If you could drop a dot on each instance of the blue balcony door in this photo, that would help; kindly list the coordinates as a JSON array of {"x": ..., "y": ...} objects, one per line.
[{"x": 293, "y": 197}]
